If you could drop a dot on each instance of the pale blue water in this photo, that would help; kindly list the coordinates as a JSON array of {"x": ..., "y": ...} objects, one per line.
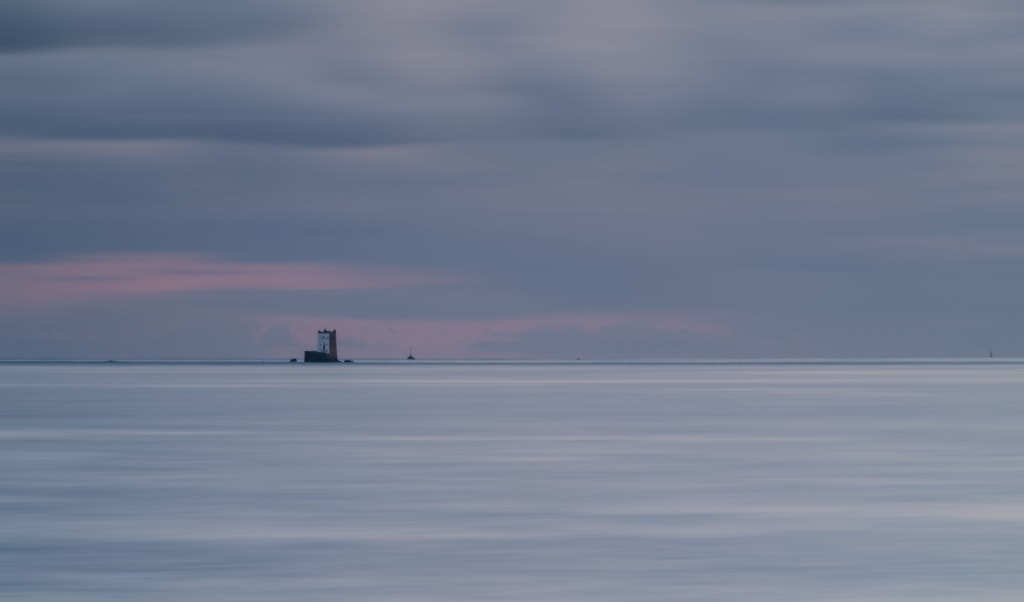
[{"x": 492, "y": 482}]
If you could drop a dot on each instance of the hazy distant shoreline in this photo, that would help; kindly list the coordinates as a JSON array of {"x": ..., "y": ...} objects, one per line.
[{"x": 552, "y": 362}]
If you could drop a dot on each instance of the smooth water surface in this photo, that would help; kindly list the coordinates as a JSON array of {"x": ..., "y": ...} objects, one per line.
[{"x": 546, "y": 482}]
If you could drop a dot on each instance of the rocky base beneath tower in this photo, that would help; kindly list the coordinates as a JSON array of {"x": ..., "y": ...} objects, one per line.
[{"x": 314, "y": 357}]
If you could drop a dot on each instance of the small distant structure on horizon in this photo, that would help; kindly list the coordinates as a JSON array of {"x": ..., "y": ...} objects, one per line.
[
  {"x": 326, "y": 347},
  {"x": 410, "y": 355}
]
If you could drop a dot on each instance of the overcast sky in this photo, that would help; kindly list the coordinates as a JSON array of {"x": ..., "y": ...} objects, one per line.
[{"x": 529, "y": 179}]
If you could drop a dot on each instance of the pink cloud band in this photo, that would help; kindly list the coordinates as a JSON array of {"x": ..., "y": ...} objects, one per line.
[
  {"x": 455, "y": 338},
  {"x": 112, "y": 276}
]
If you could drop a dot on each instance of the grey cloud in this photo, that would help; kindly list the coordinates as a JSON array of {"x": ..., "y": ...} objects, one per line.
[
  {"x": 574, "y": 342},
  {"x": 34, "y": 25},
  {"x": 522, "y": 73},
  {"x": 101, "y": 331},
  {"x": 785, "y": 163},
  {"x": 108, "y": 97}
]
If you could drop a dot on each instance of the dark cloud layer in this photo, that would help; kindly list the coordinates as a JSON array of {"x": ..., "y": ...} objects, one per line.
[
  {"x": 811, "y": 178},
  {"x": 37, "y": 25}
]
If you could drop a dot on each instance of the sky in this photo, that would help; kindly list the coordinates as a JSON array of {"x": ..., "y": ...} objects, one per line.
[{"x": 535, "y": 179}]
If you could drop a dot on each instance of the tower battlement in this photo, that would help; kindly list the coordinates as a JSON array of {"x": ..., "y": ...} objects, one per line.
[{"x": 326, "y": 347}]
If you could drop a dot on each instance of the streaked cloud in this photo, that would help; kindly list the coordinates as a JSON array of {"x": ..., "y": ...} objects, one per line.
[
  {"x": 567, "y": 336},
  {"x": 815, "y": 178},
  {"x": 117, "y": 276},
  {"x": 39, "y": 25}
]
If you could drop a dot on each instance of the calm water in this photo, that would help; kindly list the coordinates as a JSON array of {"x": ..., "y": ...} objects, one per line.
[{"x": 533, "y": 482}]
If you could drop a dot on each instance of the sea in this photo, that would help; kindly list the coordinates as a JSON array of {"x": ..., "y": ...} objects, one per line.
[{"x": 512, "y": 481}]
